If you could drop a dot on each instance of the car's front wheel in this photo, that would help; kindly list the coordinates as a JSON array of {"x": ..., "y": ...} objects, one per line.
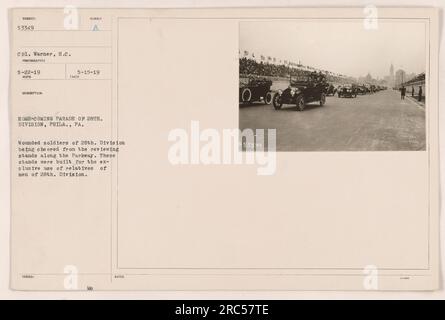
[
  {"x": 277, "y": 103},
  {"x": 322, "y": 99},
  {"x": 300, "y": 103},
  {"x": 246, "y": 95}
]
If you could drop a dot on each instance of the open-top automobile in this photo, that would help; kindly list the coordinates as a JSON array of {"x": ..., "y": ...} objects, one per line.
[
  {"x": 255, "y": 90},
  {"x": 347, "y": 90},
  {"x": 302, "y": 90}
]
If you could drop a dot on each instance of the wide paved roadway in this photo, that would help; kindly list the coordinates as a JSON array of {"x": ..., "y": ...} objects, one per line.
[{"x": 375, "y": 122}]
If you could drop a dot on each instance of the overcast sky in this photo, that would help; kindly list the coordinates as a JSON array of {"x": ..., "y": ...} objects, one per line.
[{"x": 338, "y": 46}]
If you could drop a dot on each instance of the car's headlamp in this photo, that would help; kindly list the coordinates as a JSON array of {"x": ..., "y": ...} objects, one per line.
[{"x": 280, "y": 92}]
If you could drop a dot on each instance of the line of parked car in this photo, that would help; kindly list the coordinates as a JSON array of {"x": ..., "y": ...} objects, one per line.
[
  {"x": 302, "y": 89},
  {"x": 352, "y": 90}
]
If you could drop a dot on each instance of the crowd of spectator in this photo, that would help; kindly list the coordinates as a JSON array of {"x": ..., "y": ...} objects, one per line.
[{"x": 252, "y": 67}]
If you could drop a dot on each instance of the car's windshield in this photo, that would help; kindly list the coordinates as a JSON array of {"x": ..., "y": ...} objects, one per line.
[{"x": 300, "y": 78}]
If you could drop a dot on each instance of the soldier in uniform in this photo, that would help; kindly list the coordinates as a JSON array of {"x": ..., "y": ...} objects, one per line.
[{"x": 402, "y": 93}]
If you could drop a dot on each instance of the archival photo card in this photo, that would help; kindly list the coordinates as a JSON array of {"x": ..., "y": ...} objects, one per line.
[{"x": 224, "y": 149}]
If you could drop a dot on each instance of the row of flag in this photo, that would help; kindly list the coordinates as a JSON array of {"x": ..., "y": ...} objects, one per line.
[{"x": 269, "y": 59}]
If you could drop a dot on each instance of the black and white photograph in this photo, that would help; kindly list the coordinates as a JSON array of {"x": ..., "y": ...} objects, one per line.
[{"x": 335, "y": 84}]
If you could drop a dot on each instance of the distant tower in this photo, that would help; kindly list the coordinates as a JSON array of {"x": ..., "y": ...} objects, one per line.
[
  {"x": 368, "y": 77},
  {"x": 391, "y": 76}
]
